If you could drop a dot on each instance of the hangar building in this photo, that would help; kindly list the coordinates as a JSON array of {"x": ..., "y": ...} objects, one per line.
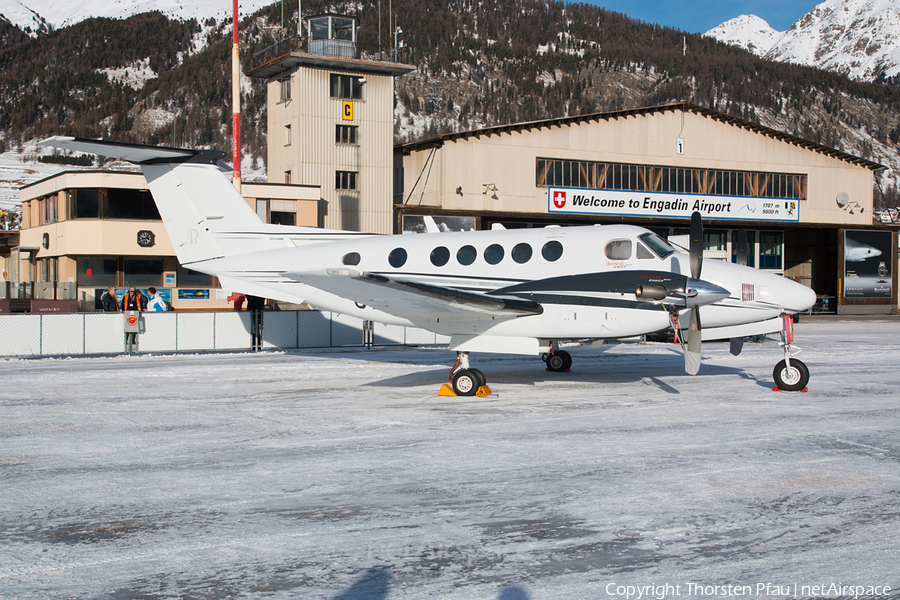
[{"x": 807, "y": 208}]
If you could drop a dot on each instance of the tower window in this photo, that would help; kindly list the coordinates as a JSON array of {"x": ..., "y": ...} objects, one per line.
[
  {"x": 348, "y": 87},
  {"x": 345, "y": 134},
  {"x": 345, "y": 180}
]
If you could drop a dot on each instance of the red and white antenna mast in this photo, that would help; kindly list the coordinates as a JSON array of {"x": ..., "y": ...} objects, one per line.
[{"x": 236, "y": 103}]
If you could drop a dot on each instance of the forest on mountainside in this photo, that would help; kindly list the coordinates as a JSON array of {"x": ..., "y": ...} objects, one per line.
[
  {"x": 478, "y": 65},
  {"x": 53, "y": 84}
]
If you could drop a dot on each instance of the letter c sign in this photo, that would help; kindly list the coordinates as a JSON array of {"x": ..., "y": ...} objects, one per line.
[{"x": 348, "y": 110}]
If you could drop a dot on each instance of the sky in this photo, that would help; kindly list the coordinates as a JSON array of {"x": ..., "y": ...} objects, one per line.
[{"x": 698, "y": 16}]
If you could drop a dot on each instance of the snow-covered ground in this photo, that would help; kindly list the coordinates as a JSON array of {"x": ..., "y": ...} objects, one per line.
[{"x": 342, "y": 474}]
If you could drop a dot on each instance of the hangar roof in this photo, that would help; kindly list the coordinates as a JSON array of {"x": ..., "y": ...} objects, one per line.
[{"x": 438, "y": 141}]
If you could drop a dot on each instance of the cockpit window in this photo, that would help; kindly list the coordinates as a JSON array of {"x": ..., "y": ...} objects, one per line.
[
  {"x": 618, "y": 250},
  {"x": 657, "y": 244},
  {"x": 642, "y": 252}
]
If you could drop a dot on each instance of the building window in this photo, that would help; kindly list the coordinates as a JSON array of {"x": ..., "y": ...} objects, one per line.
[
  {"x": 287, "y": 135},
  {"x": 187, "y": 278},
  {"x": 143, "y": 271},
  {"x": 287, "y": 176},
  {"x": 135, "y": 205},
  {"x": 87, "y": 204},
  {"x": 345, "y": 180},
  {"x": 111, "y": 203},
  {"x": 285, "y": 84},
  {"x": 551, "y": 172},
  {"x": 770, "y": 245},
  {"x": 277, "y": 212},
  {"x": 347, "y": 87},
  {"x": 99, "y": 271},
  {"x": 345, "y": 134},
  {"x": 398, "y": 181}
]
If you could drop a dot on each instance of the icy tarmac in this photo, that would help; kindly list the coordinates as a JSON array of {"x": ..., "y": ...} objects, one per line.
[{"x": 342, "y": 475}]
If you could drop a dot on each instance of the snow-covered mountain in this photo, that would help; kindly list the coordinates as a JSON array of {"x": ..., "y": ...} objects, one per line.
[
  {"x": 858, "y": 38},
  {"x": 748, "y": 32},
  {"x": 35, "y": 15}
]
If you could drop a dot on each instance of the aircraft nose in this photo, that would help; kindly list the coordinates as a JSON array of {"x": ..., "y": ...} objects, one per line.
[{"x": 797, "y": 297}]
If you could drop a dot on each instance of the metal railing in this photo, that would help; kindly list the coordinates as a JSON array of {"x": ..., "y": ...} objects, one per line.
[{"x": 73, "y": 334}]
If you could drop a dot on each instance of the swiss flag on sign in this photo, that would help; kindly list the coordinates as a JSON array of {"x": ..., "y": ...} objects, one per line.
[{"x": 559, "y": 199}]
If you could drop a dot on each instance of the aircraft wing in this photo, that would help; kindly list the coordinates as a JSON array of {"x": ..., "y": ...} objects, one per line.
[{"x": 414, "y": 300}]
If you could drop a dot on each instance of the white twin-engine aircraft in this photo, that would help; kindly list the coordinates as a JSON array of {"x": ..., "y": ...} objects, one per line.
[{"x": 519, "y": 291}]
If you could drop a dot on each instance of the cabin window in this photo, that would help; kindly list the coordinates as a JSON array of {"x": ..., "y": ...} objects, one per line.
[
  {"x": 618, "y": 250},
  {"x": 493, "y": 254},
  {"x": 521, "y": 253},
  {"x": 552, "y": 251},
  {"x": 351, "y": 259},
  {"x": 397, "y": 257},
  {"x": 440, "y": 256},
  {"x": 466, "y": 255}
]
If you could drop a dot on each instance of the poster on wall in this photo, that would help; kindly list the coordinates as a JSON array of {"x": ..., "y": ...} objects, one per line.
[{"x": 868, "y": 268}]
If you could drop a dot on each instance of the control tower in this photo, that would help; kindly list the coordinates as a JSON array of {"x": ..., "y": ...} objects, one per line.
[{"x": 331, "y": 123}]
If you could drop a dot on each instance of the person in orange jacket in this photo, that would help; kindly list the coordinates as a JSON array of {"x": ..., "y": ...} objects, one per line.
[{"x": 134, "y": 300}]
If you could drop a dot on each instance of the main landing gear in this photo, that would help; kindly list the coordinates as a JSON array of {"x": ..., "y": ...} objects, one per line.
[
  {"x": 465, "y": 381},
  {"x": 790, "y": 374},
  {"x": 557, "y": 360}
]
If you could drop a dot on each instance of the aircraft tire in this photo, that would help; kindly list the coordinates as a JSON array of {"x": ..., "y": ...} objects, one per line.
[
  {"x": 480, "y": 379},
  {"x": 465, "y": 382},
  {"x": 559, "y": 361},
  {"x": 793, "y": 379}
]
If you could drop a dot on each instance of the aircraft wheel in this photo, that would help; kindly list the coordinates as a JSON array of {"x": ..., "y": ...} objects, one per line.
[
  {"x": 559, "y": 361},
  {"x": 480, "y": 379},
  {"x": 793, "y": 379},
  {"x": 465, "y": 382}
]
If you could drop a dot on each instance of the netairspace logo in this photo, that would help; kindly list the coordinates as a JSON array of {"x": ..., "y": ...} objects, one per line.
[{"x": 757, "y": 590}]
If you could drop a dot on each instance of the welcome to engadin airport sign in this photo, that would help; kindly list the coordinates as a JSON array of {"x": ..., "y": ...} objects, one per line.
[{"x": 655, "y": 204}]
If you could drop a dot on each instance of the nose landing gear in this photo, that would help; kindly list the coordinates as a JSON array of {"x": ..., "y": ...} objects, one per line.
[
  {"x": 465, "y": 381},
  {"x": 790, "y": 374}
]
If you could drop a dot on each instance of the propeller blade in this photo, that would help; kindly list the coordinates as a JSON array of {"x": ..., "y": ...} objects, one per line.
[
  {"x": 692, "y": 352},
  {"x": 696, "y": 245},
  {"x": 743, "y": 247}
]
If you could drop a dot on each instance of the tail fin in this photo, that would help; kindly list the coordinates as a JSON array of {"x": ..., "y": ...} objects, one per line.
[{"x": 195, "y": 199}]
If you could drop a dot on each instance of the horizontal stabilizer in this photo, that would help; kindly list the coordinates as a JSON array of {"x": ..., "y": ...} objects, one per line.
[{"x": 136, "y": 153}]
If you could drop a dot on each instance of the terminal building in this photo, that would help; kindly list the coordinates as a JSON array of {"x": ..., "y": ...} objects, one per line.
[{"x": 83, "y": 231}]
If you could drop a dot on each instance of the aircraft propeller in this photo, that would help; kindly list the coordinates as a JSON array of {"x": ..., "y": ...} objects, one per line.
[{"x": 692, "y": 351}]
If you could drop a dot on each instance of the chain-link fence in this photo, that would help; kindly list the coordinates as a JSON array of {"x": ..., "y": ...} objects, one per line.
[{"x": 103, "y": 333}]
